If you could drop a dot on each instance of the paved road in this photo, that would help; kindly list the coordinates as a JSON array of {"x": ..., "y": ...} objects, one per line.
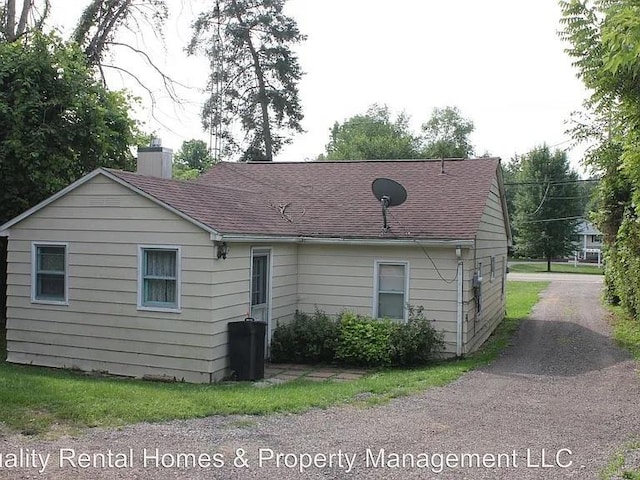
[{"x": 557, "y": 404}]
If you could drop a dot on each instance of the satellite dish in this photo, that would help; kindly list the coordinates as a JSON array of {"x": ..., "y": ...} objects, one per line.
[
  {"x": 389, "y": 191},
  {"x": 390, "y": 194}
]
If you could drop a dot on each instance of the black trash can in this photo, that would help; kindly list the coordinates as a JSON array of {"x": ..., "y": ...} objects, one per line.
[{"x": 246, "y": 349}]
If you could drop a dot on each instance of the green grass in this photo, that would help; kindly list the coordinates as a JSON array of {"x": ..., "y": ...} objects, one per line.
[
  {"x": 616, "y": 467},
  {"x": 541, "y": 267},
  {"x": 626, "y": 333},
  {"x": 36, "y": 400}
]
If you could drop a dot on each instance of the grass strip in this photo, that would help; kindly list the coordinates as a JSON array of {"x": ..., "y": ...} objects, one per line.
[
  {"x": 626, "y": 333},
  {"x": 34, "y": 400},
  {"x": 541, "y": 267}
]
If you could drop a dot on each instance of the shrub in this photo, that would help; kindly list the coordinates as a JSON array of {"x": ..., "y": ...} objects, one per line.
[
  {"x": 415, "y": 342},
  {"x": 356, "y": 340},
  {"x": 622, "y": 273},
  {"x": 364, "y": 341},
  {"x": 308, "y": 339}
]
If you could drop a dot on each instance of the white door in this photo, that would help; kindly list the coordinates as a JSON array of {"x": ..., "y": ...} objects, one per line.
[{"x": 260, "y": 289}]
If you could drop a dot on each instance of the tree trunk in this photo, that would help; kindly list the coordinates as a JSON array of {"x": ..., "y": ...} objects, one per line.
[
  {"x": 548, "y": 264},
  {"x": 22, "y": 23},
  {"x": 262, "y": 91},
  {"x": 10, "y": 25},
  {"x": 264, "y": 103},
  {"x": 15, "y": 27}
]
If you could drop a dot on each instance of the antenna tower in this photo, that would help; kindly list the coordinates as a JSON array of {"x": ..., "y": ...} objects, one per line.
[{"x": 217, "y": 85}]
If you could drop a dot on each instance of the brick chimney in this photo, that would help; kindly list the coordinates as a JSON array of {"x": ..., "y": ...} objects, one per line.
[{"x": 155, "y": 160}]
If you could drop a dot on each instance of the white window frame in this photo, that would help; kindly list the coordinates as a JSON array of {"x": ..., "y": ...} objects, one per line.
[
  {"x": 478, "y": 292},
  {"x": 34, "y": 273},
  {"x": 504, "y": 278},
  {"x": 156, "y": 308},
  {"x": 376, "y": 290},
  {"x": 493, "y": 267}
]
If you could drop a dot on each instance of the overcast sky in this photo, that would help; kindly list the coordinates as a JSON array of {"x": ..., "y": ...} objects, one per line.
[{"x": 499, "y": 61}]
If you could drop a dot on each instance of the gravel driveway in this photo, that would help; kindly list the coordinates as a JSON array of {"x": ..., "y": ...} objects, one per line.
[{"x": 557, "y": 404}]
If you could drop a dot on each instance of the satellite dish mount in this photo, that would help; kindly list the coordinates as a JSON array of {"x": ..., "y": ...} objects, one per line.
[{"x": 390, "y": 194}]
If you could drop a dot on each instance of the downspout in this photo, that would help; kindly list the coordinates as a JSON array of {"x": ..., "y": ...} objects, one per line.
[{"x": 459, "y": 303}]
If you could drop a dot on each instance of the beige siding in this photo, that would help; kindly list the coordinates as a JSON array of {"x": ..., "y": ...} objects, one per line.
[
  {"x": 284, "y": 294},
  {"x": 491, "y": 241},
  {"x": 335, "y": 278},
  {"x": 101, "y": 328}
]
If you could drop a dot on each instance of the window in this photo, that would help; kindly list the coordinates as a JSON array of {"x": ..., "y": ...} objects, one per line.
[
  {"x": 391, "y": 290},
  {"x": 49, "y": 275},
  {"x": 159, "y": 278},
  {"x": 259, "y": 280},
  {"x": 478, "y": 288},
  {"x": 493, "y": 268}
]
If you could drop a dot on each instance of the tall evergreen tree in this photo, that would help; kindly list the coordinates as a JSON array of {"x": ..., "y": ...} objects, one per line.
[
  {"x": 254, "y": 75},
  {"x": 547, "y": 204}
]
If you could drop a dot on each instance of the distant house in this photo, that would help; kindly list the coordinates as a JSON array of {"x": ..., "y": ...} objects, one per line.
[
  {"x": 589, "y": 242},
  {"x": 135, "y": 274}
]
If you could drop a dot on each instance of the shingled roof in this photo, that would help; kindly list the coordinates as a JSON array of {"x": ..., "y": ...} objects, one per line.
[{"x": 331, "y": 199}]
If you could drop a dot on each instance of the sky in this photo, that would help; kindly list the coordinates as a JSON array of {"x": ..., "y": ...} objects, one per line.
[{"x": 500, "y": 62}]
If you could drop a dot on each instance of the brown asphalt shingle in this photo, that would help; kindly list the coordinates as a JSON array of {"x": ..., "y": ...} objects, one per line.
[{"x": 331, "y": 199}]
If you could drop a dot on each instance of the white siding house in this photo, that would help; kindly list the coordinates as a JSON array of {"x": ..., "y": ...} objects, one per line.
[
  {"x": 139, "y": 275},
  {"x": 588, "y": 242}
]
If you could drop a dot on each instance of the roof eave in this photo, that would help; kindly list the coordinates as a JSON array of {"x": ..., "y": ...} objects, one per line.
[
  {"x": 503, "y": 201},
  {"x": 426, "y": 242}
]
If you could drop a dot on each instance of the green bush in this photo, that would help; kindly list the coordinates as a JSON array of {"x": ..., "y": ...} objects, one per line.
[
  {"x": 308, "y": 339},
  {"x": 364, "y": 341},
  {"x": 356, "y": 340},
  {"x": 415, "y": 342},
  {"x": 622, "y": 273}
]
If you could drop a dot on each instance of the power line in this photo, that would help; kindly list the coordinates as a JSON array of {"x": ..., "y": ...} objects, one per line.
[
  {"x": 545, "y": 220},
  {"x": 580, "y": 197},
  {"x": 544, "y": 197},
  {"x": 426, "y": 253},
  {"x": 560, "y": 182}
]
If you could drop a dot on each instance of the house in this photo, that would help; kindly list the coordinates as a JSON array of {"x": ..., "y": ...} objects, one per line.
[
  {"x": 589, "y": 242},
  {"x": 136, "y": 274}
]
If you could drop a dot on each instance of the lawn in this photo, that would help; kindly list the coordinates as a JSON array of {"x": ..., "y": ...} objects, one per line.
[
  {"x": 35, "y": 400},
  {"x": 541, "y": 267},
  {"x": 626, "y": 333}
]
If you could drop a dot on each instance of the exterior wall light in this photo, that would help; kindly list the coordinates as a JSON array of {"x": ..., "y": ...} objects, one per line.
[{"x": 222, "y": 250}]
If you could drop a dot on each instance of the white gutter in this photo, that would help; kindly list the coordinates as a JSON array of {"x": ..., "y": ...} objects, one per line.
[
  {"x": 459, "y": 303},
  {"x": 340, "y": 241}
]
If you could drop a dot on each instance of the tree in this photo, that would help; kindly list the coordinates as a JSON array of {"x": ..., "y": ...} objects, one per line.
[
  {"x": 548, "y": 209},
  {"x": 97, "y": 32},
  {"x": 604, "y": 41},
  {"x": 56, "y": 122},
  {"x": 372, "y": 136},
  {"x": 97, "y": 27},
  {"x": 191, "y": 160},
  {"x": 510, "y": 175},
  {"x": 14, "y": 17},
  {"x": 446, "y": 134},
  {"x": 254, "y": 75}
]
